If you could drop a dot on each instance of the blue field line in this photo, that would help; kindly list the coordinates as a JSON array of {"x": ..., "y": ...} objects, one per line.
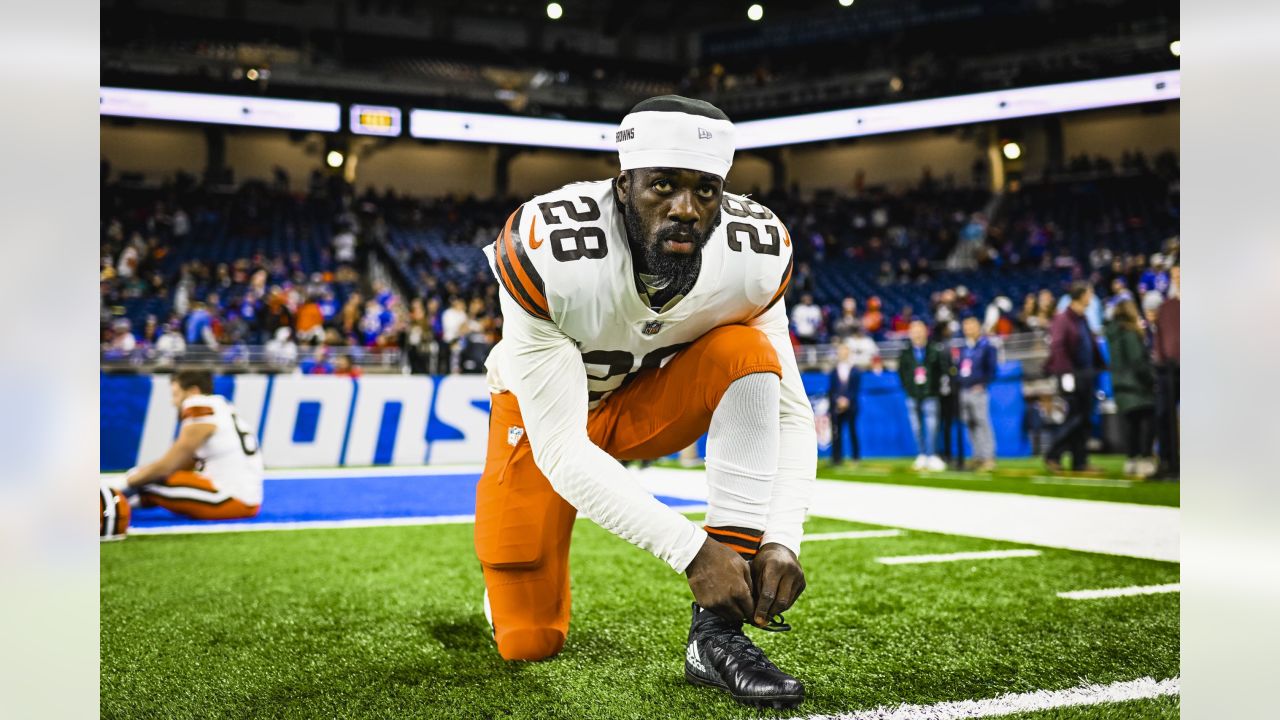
[{"x": 355, "y": 498}]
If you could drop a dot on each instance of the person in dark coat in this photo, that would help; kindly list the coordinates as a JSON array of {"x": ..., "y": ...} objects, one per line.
[
  {"x": 1075, "y": 361},
  {"x": 1168, "y": 363},
  {"x": 1133, "y": 382},
  {"x": 923, "y": 368},
  {"x": 842, "y": 394}
]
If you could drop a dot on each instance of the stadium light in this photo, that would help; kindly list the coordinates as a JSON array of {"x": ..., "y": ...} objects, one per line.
[
  {"x": 252, "y": 74},
  {"x": 755, "y": 12},
  {"x": 846, "y": 3},
  {"x": 1012, "y": 150},
  {"x": 334, "y": 159},
  {"x": 554, "y": 11},
  {"x": 221, "y": 109},
  {"x": 1175, "y": 47}
]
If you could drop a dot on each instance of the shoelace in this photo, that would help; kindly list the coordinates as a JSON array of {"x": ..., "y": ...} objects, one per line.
[{"x": 740, "y": 646}]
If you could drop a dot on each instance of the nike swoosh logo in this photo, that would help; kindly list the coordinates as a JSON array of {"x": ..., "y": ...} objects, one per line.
[{"x": 534, "y": 242}]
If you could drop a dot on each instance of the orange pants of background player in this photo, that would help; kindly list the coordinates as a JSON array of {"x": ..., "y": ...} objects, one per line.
[
  {"x": 523, "y": 526},
  {"x": 195, "y": 496}
]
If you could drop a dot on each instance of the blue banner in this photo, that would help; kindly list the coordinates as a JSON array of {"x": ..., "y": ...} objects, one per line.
[{"x": 327, "y": 421}]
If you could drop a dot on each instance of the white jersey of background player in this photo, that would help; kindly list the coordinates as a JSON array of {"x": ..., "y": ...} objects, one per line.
[{"x": 214, "y": 469}]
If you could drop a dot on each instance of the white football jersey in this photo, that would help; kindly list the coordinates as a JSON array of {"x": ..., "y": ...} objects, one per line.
[
  {"x": 230, "y": 457},
  {"x": 564, "y": 257}
]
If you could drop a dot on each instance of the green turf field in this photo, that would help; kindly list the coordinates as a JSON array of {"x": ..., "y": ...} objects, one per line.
[
  {"x": 1021, "y": 476},
  {"x": 386, "y": 622}
]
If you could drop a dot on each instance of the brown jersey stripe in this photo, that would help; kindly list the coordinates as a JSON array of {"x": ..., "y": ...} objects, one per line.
[
  {"x": 196, "y": 411},
  {"x": 736, "y": 543},
  {"x": 522, "y": 256},
  {"x": 726, "y": 532},
  {"x": 533, "y": 290},
  {"x": 505, "y": 272}
]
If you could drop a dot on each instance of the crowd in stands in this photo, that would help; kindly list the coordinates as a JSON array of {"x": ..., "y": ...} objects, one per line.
[{"x": 260, "y": 269}]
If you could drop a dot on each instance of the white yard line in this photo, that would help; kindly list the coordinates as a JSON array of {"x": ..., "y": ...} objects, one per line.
[
  {"x": 215, "y": 527},
  {"x": 1121, "y": 592},
  {"x": 1081, "y": 482},
  {"x": 1144, "y": 531},
  {"x": 851, "y": 535},
  {"x": 957, "y": 557},
  {"x": 1140, "y": 689}
]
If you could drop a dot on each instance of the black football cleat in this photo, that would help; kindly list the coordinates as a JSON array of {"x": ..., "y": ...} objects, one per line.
[{"x": 720, "y": 655}]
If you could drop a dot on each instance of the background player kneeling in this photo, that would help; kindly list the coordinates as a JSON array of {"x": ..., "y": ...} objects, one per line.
[{"x": 214, "y": 470}]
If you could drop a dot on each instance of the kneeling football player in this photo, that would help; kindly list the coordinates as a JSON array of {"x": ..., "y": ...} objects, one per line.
[
  {"x": 639, "y": 313},
  {"x": 213, "y": 471}
]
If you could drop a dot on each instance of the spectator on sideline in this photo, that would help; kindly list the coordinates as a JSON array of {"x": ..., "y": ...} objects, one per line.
[
  {"x": 848, "y": 321},
  {"x": 921, "y": 367},
  {"x": 806, "y": 318},
  {"x": 842, "y": 393},
  {"x": 281, "y": 352},
  {"x": 1093, "y": 312},
  {"x": 453, "y": 320},
  {"x": 170, "y": 345},
  {"x": 310, "y": 321},
  {"x": 873, "y": 318},
  {"x": 1075, "y": 360},
  {"x": 862, "y": 349},
  {"x": 978, "y": 366},
  {"x": 1168, "y": 337},
  {"x": 342, "y": 366},
  {"x": 1133, "y": 383}
]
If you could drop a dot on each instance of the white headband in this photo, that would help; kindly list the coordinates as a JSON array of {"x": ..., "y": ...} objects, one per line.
[{"x": 675, "y": 139}]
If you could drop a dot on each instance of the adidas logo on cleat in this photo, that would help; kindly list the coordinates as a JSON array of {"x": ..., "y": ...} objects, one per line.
[{"x": 691, "y": 657}]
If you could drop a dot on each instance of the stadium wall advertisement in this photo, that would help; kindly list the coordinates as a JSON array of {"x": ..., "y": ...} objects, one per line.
[{"x": 326, "y": 421}]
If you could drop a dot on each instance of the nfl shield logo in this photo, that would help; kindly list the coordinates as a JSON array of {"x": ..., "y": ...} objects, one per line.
[{"x": 652, "y": 327}]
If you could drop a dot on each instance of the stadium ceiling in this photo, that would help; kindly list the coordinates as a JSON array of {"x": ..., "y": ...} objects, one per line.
[{"x": 568, "y": 134}]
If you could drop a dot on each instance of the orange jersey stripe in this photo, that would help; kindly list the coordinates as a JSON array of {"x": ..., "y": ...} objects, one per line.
[
  {"x": 531, "y": 288},
  {"x": 499, "y": 257},
  {"x": 730, "y": 533}
]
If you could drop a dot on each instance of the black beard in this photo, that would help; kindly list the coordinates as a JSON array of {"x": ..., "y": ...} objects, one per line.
[{"x": 678, "y": 269}]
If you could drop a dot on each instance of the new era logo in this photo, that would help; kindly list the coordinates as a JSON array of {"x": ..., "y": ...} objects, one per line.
[
  {"x": 514, "y": 434},
  {"x": 704, "y": 134}
]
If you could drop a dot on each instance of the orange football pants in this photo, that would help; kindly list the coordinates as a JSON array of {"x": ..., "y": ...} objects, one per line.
[
  {"x": 523, "y": 527},
  {"x": 195, "y": 496}
]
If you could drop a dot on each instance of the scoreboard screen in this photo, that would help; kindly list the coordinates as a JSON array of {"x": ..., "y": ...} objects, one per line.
[{"x": 375, "y": 120}]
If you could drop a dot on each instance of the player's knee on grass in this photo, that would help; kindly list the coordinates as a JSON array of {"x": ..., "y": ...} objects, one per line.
[
  {"x": 732, "y": 352},
  {"x": 532, "y": 643}
]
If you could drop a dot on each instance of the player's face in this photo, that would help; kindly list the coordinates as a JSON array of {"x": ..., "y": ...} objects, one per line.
[
  {"x": 177, "y": 394},
  {"x": 671, "y": 213}
]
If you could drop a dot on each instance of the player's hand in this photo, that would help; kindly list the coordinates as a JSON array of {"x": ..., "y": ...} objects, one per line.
[
  {"x": 721, "y": 581},
  {"x": 777, "y": 579}
]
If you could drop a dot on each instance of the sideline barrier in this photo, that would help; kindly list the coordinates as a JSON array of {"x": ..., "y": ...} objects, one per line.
[{"x": 326, "y": 421}]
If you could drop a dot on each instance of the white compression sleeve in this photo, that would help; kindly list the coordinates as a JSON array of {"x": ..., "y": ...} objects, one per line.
[
  {"x": 742, "y": 453},
  {"x": 797, "y": 441}
]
